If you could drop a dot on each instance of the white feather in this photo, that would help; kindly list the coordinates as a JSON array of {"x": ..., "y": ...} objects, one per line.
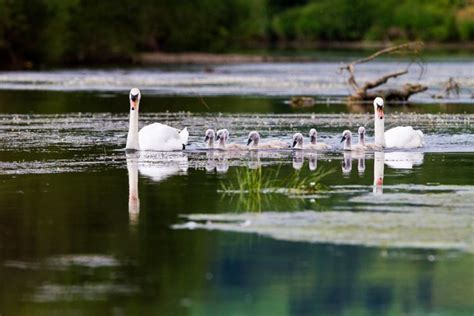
[
  {"x": 403, "y": 137},
  {"x": 162, "y": 137}
]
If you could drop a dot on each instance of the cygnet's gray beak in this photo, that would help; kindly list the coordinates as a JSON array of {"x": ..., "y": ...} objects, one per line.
[
  {"x": 206, "y": 138},
  {"x": 343, "y": 138},
  {"x": 294, "y": 143},
  {"x": 249, "y": 141}
]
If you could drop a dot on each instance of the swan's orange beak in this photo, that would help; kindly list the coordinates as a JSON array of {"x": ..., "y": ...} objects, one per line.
[
  {"x": 380, "y": 113},
  {"x": 133, "y": 105},
  {"x": 133, "y": 102}
]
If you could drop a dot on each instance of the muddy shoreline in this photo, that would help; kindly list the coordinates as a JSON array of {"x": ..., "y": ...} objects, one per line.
[{"x": 148, "y": 58}]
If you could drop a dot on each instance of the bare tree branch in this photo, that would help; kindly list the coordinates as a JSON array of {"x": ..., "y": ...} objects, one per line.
[
  {"x": 402, "y": 94},
  {"x": 412, "y": 46},
  {"x": 382, "y": 80}
]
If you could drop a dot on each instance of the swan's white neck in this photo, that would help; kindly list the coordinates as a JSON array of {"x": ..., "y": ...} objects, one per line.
[
  {"x": 221, "y": 143},
  {"x": 347, "y": 143},
  {"x": 132, "y": 138},
  {"x": 210, "y": 143},
  {"x": 379, "y": 131}
]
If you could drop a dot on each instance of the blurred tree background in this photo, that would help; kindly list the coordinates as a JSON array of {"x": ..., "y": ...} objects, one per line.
[{"x": 35, "y": 33}]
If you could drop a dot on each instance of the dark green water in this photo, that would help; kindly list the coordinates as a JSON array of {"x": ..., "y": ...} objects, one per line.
[{"x": 71, "y": 243}]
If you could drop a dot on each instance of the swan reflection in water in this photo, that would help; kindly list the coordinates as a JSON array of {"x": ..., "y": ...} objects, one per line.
[
  {"x": 379, "y": 159},
  {"x": 157, "y": 166},
  {"x": 218, "y": 161},
  {"x": 347, "y": 163},
  {"x": 394, "y": 160},
  {"x": 313, "y": 161},
  {"x": 298, "y": 159},
  {"x": 361, "y": 164}
]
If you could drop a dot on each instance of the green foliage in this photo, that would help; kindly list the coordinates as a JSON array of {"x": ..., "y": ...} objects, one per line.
[
  {"x": 255, "y": 188},
  {"x": 45, "y": 32}
]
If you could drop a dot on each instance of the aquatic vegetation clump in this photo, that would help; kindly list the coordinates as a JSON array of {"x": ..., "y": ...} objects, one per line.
[
  {"x": 257, "y": 190},
  {"x": 254, "y": 181}
]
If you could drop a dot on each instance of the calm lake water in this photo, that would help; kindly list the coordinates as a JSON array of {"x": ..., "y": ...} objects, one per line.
[{"x": 73, "y": 241}]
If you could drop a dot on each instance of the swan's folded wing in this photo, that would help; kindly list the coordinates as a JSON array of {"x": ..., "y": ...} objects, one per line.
[
  {"x": 160, "y": 137},
  {"x": 403, "y": 137},
  {"x": 184, "y": 135}
]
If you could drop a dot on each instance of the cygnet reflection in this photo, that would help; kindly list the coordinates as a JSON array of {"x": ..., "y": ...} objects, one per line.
[
  {"x": 379, "y": 160},
  {"x": 157, "y": 166},
  {"x": 222, "y": 165},
  {"x": 298, "y": 159},
  {"x": 254, "y": 160},
  {"x": 347, "y": 163},
  {"x": 211, "y": 161},
  {"x": 313, "y": 161},
  {"x": 361, "y": 164}
]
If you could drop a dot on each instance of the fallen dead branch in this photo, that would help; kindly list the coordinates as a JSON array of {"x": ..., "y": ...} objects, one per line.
[
  {"x": 365, "y": 92},
  {"x": 451, "y": 86}
]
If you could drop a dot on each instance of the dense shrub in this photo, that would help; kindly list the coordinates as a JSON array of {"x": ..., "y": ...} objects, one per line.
[{"x": 37, "y": 32}]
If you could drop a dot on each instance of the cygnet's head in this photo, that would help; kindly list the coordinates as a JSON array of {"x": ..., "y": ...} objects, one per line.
[
  {"x": 135, "y": 97},
  {"x": 298, "y": 141},
  {"x": 222, "y": 135},
  {"x": 313, "y": 135},
  {"x": 346, "y": 138},
  {"x": 253, "y": 137},
  {"x": 210, "y": 135},
  {"x": 378, "y": 108}
]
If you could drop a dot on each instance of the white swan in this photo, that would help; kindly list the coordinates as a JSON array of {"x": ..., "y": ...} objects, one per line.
[
  {"x": 156, "y": 136},
  {"x": 398, "y": 137},
  {"x": 313, "y": 136},
  {"x": 209, "y": 138},
  {"x": 222, "y": 137},
  {"x": 369, "y": 146},
  {"x": 347, "y": 139},
  {"x": 254, "y": 143}
]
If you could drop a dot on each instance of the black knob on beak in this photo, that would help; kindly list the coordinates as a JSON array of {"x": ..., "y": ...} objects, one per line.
[{"x": 134, "y": 97}]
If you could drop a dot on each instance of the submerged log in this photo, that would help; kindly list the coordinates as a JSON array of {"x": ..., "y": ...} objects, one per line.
[
  {"x": 365, "y": 92},
  {"x": 302, "y": 101},
  {"x": 392, "y": 94}
]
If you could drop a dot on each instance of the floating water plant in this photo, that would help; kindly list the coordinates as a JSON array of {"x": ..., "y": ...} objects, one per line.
[{"x": 256, "y": 188}]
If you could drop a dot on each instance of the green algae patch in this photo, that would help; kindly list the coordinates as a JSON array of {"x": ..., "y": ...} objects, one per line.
[{"x": 427, "y": 230}]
